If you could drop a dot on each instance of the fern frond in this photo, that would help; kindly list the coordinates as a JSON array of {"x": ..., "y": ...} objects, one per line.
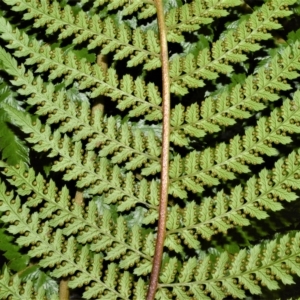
[
  {"x": 254, "y": 140},
  {"x": 221, "y": 162},
  {"x": 239, "y": 102},
  {"x": 100, "y": 177},
  {"x": 226, "y": 211},
  {"x": 11, "y": 147},
  {"x": 121, "y": 141},
  {"x": 87, "y": 225},
  {"x": 12, "y": 288},
  {"x": 64, "y": 253},
  {"x": 97, "y": 175},
  {"x": 128, "y": 7},
  {"x": 189, "y": 17},
  {"x": 186, "y": 71},
  {"x": 143, "y": 46},
  {"x": 128, "y": 92},
  {"x": 105, "y": 245},
  {"x": 226, "y": 275}
]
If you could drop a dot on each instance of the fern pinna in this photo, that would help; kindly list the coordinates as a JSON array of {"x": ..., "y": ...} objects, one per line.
[{"x": 81, "y": 144}]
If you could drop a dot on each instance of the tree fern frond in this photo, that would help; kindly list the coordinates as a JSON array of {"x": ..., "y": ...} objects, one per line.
[
  {"x": 232, "y": 276},
  {"x": 189, "y": 17},
  {"x": 200, "y": 167},
  {"x": 11, "y": 287},
  {"x": 71, "y": 156},
  {"x": 114, "y": 139},
  {"x": 191, "y": 162},
  {"x": 86, "y": 205},
  {"x": 63, "y": 252},
  {"x": 106, "y": 33},
  {"x": 126, "y": 90},
  {"x": 226, "y": 211},
  {"x": 186, "y": 71},
  {"x": 97, "y": 229},
  {"x": 237, "y": 103},
  {"x": 40, "y": 93}
]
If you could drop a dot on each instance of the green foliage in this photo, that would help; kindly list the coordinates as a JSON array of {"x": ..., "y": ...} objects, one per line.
[
  {"x": 234, "y": 155},
  {"x": 12, "y": 147}
]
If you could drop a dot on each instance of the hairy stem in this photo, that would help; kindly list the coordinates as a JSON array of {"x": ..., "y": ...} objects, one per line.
[{"x": 165, "y": 153}]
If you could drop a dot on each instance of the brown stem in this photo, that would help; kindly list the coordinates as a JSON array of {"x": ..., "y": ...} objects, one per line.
[
  {"x": 78, "y": 198},
  {"x": 165, "y": 153},
  {"x": 64, "y": 292}
]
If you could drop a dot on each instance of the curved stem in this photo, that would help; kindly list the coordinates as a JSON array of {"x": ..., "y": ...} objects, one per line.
[{"x": 165, "y": 153}]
